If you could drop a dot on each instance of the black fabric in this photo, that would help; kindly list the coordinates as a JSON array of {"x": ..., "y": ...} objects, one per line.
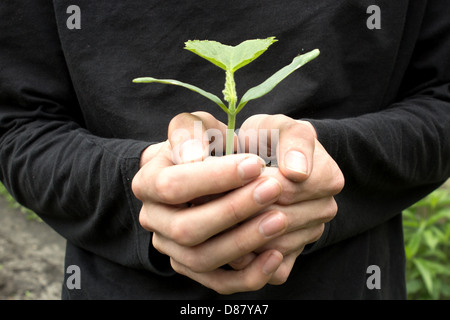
[{"x": 72, "y": 125}]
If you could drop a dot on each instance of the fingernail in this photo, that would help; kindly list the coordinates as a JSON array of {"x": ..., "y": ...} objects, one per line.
[
  {"x": 250, "y": 168},
  {"x": 272, "y": 225},
  {"x": 191, "y": 151},
  {"x": 296, "y": 161},
  {"x": 272, "y": 264},
  {"x": 267, "y": 191}
]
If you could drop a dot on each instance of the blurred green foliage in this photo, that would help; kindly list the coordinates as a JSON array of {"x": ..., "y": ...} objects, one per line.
[
  {"x": 426, "y": 227},
  {"x": 13, "y": 204}
]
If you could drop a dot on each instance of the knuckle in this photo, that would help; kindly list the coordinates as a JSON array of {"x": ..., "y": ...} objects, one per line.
[
  {"x": 332, "y": 210},
  {"x": 221, "y": 287},
  {"x": 328, "y": 211},
  {"x": 199, "y": 267},
  {"x": 282, "y": 119},
  {"x": 317, "y": 233},
  {"x": 338, "y": 182},
  {"x": 180, "y": 120},
  {"x": 233, "y": 210},
  {"x": 241, "y": 244},
  {"x": 196, "y": 262},
  {"x": 300, "y": 129},
  {"x": 157, "y": 243},
  {"x": 218, "y": 176},
  {"x": 280, "y": 277},
  {"x": 251, "y": 284},
  {"x": 336, "y": 179},
  {"x": 181, "y": 234},
  {"x": 144, "y": 221},
  {"x": 223, "y": 291},
  {"x": 178, "y": 267},
  {"x": 283, "y": 245},
  {"x": 253, "y": 121},
  {"x": 288, "y": 196},
  {"x": 191, "y": 262},
  {"x": 136, "y": 186},
  {"x": 165, "y": 188}
]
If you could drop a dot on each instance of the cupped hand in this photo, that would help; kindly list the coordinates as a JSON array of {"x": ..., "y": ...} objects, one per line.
[
  {"x": 310, "y": 179},
  {"x": 201, "y": 238}
]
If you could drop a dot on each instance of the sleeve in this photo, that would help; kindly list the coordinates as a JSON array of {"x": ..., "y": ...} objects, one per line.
[
  {"x": 394, "y": 157},
  {"x": 79, "y": 183}
]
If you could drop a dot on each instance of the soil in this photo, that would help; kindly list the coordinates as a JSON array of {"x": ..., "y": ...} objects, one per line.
[{"x": 31, "y": 257}]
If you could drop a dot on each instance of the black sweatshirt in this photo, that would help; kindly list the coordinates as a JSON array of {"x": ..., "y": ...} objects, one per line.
[{"x": 73, "y": 125}]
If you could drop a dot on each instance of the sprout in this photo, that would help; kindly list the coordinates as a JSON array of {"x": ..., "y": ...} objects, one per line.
[{"x": 230, "y": 59}]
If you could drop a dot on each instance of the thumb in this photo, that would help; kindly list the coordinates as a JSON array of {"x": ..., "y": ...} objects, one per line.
[
  {"x": 295, "y": 142},
  {"x": 296, "y": 149},
  {"x": 186, "y": 134}
]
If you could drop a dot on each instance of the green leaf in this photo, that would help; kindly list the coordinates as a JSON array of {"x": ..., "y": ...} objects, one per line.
[
  {"x": 227, "y": 57},
  {"x": 410, "y": 219},
  {"x": 445, "y": 290},
  {"x": 426, "y": 274},
  {"x": 413, "y": 286},
  {"x": 413, "y": 245},
  {"x": 431, "y": 239},
  {"x": 447, "y": 231},
  {"x": 276, "y": 78},
  {"x": 204, "y": 93},
  {"x": 439, "y": 215},
  {"x": 436, "y": 267}
]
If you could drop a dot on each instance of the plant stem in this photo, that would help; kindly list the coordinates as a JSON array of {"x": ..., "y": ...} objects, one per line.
[
  {"x": 230, "y": 96},
  {"x": 230, "y": 134}
]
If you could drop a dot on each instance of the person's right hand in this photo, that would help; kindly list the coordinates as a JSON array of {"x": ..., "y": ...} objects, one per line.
[{"x": 201, "y": 238}]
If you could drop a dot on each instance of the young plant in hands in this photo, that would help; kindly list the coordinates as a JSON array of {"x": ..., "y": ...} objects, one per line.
[{"x": 231, "y": 59}]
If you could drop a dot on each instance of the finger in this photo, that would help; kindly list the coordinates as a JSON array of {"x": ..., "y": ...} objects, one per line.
[
  {"x": 294, "y": 241},
  {"x": 192, "y": 226},
  {"x": 294, "y": 144},
  {"x": 160, "y": 160},
  {"x": 306, "y": 223},
  {"x": 252, "y": 278},
  {"x": 325, "y": 180},
  {"x": 190, "y": 134},
  {"x": 326, "y": 175},
  {"x": 175, "y": 184},
  {"x": 281, "y": 275},
  {"x": 149, "y": 153},
  {"x": 186, "y": 134},
  {"x": 308, "y": 213},
  {"x": 242, "y": 262},
  {"x": 216, "y": 133}
]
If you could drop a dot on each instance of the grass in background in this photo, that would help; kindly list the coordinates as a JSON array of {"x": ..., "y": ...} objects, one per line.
[
  {"x": 13, "y": 204},
  {"x": 426, "y": 227}
]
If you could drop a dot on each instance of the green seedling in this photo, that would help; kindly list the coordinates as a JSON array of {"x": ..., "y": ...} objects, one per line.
[{"x": 231, "y": 59}]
